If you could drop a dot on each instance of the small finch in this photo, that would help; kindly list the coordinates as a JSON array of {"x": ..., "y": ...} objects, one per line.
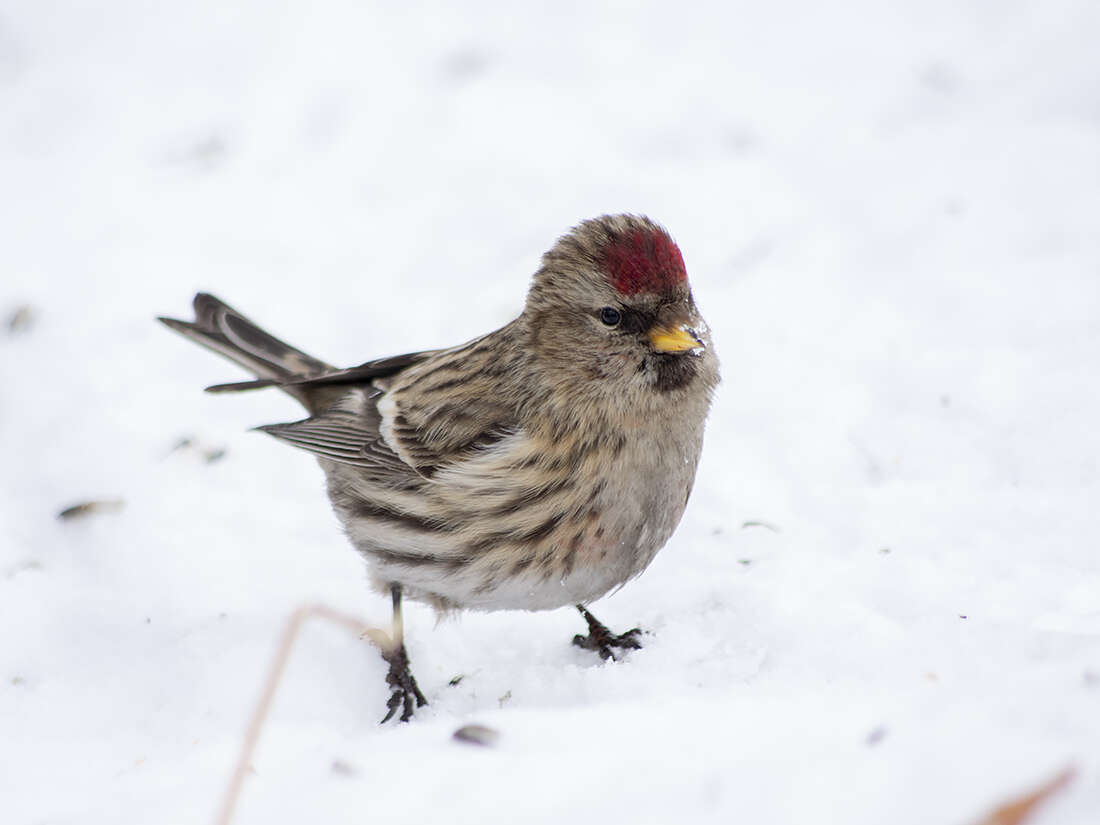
[{"x": 535, "y": 467}]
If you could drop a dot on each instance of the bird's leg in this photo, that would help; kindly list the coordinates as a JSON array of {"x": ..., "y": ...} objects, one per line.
[
  {"x": 400, "y": 679},
  {"x": 601, "y": 639}
]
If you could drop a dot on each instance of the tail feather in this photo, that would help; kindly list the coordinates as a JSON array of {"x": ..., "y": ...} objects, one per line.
[{"x": 222, "y": 329}]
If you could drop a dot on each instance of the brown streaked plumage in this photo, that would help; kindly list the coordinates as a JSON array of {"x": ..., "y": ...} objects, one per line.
[{"x": 538, "y": 466}]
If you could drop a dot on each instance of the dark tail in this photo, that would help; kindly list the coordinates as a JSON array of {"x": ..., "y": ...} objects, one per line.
[{"x": 221, "y": 328}]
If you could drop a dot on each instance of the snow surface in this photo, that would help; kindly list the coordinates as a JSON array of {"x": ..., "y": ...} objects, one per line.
[{"x": 889, "y": 212}]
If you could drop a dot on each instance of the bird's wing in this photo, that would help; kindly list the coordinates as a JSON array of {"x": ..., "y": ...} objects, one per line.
[
  {"x": 354, "y": 438},
  {"x": 339, "y": 436},
  {"x": 434, "y": 438},
  {"x": 348, "y": 433},
  {"x": 362, "y": 374},
  {"x": 452, "y": 405},
  {"x": 427, "y": 420}
]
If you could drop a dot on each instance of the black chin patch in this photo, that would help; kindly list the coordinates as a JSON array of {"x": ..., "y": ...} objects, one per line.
[{"x": 673, "y": 371}]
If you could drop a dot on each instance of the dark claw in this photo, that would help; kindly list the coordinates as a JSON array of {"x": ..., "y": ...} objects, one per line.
[
  {"x": 602, "y": 640},
  {"x": 403, "y": 687}
]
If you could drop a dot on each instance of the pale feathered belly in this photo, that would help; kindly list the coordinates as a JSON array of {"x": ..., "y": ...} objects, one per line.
[
  {"x": 544, "y": 577},
  {"x": 528, "y": 544}
]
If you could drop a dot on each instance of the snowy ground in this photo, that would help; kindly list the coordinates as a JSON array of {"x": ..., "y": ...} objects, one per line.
[{"x": 889, "y": 212}]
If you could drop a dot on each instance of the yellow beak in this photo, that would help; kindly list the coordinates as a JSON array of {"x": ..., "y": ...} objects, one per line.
[{"x": 675, "y": 339}]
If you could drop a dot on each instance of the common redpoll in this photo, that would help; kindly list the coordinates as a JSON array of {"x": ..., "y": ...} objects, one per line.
[{"x": 538, "y": 466}]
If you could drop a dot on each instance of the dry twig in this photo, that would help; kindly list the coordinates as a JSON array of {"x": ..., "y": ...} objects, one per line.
[
  {"x": 1017, "y": 811},
  {"x": 271, "y": 684}
]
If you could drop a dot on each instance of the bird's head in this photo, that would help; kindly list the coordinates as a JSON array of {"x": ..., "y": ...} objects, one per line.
[{"x": 611, "y": 312}]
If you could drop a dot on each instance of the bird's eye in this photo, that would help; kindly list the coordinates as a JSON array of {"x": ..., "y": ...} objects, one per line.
[{"x": 610, "y": 316}]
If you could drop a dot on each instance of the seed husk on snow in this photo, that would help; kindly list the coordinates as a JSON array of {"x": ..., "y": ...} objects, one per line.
[
  {"x": 481, "y": 735},
  {"x": 89, "y": 508}
]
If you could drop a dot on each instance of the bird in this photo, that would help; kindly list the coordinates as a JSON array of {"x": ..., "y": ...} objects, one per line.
[{"x": 539, "y": 466}]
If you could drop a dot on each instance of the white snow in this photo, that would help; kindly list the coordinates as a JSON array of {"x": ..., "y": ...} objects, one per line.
[{"x": 889, "y": 212}]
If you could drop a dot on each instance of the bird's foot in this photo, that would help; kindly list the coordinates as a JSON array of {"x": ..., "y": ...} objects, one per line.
[
  {"x": 403, "y": 689},
  {"x": 602, "y": 640}
]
